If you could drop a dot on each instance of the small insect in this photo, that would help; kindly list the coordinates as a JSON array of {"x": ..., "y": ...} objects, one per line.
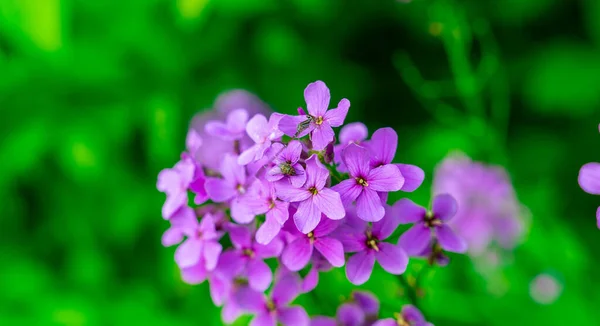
[
  {"x": 287, "y": 169},
  {"x": 303, "y": 125}
]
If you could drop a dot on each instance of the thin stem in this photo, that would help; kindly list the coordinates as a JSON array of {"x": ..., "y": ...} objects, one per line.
[{"x": 410, "y": 291}]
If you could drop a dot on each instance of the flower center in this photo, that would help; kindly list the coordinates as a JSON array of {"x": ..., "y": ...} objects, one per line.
[
  {"x": 431, "y": 220},
  {"x": 372, "y": 241},
  {"x": 271, "y": 204},
  {"x": 271, "y": 306},
  {"x": 318, "y": 121},
  {"x": 311, "y": 236},
  {"x": 313, "y": 190},
  {"x": 287, "y": 169},
  {"x": 240, "y": 189},
  {"x": 400, "y": 320},
  {"x": 248, "y": 253},
  {"x": 362, "y": 182}
]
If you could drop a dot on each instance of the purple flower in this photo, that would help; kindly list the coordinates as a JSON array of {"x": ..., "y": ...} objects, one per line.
[
  {"x": 383, "y": 145},
  {"x": 589, "y": 181},
  {"x": 409, "y": 316},
  {"x": 416, "y": 239},
  {"x": 175, "y": 183},
  {"x": 352, "y": 133},
  {"x": 262, "y": 132},
  {"x": 276, "y": 309},
  {"x": 314, "y": 199},
  {"x": 348, "y": 314},
  {"x": 365, "y": 183},
  {"x": 297, "y": 254},
  {"x": 232, "y": 187},
  {"x": 201, "y": 243},
  {"x": 361, "y": 310},
  {"x": 489, "y": 210},
  {"x": 233, "y": 129},
  {"x": 261, "y": 199},
  {"x": 286, "y": 165},
  {"x": 247, "y": 257},
  {"x": 367, "y": 241},
  {"x": 320, "y": 120}
]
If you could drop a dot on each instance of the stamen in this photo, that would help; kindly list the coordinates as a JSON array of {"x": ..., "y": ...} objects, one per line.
[
  {"x": 313, "y": 190},
  {"x": 362, "y": 182},
  {"x": 240, "y": 188},
  {"x": 248, "y": 253}
]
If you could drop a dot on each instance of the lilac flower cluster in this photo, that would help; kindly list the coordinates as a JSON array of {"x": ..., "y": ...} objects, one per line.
[
  {"x": 589, "y": 181},
  {"x": 490, "y": 214},
  {"x": 274, "y": 194}
]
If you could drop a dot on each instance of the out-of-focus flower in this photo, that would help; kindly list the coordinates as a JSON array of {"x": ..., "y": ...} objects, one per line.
[
  {"x": 416, "y": 239},
  {"x": 320, "y": 120},
  {"x": 313, "y": 197},
  {"x": 589, "y": 181},
  {"x": 269, "y": 311},
  {"x": 545, "y": 289},
  {"x": 185, "y": 175},
  {"x": 409, "y": 316},
  {"x": 361, "y": 310},
  {"x": 232, "y": 129},
  {"x": 366, "y": 183},
  {"x": 489, "y": 213}
]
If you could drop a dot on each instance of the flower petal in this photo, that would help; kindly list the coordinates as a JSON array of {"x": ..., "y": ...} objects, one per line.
[
  {"x": 317, "y": 98},
  {"x": 444, "y": 207},
  {"x": 383, "y": 228},
  {"x": 353, "y": 133},
  {"x": 257, "y": 128},
  {"x": 369, "y": 207},
  {"x": 289, "y": 125},
  {"x": 286, "y": 192},
  {"x": 219, "y": 288},
  {"x": 349, "y": 314},
  {"x": 297, "y": 254},
  {"x": 598, "y": 217},
  {"x": 211, "y": 252},
  {"x": 307, "y": 216},
  {"x": 236, "y": 120},
  {"x": 293, "y": 316},
  {"x": 349, "y": 190},
  {"x": 234, "y": 173},
  {"x": 589, "y": 178},
  {"x": 240, "y": 236},
  {"x": 412, "y": 314},
  {"x": 299, "y": 178},
  {"x": 330, "y": 204},
  {"x": 291, "y": 153},
  {"x": 413, "y": 176},
  {"x": 449, "y": 240},
  {"x": 326, "y": 226},
  {"x": 331, "y": 249},
  {"x": 241, "y": 212},
  {"x": 250, "y": 155},
  {"x": 268, "y": 230},
  {"x": 383, "y": 145},
  {"x": 385, "y": 322},
  {"x": 259, "y": 275},
  {"x": 367, "y": 302},
  {"x": 286, "y": 289},
  {"x": 360, "y": 266},
  {"x": 408, "y": 212},
  {"x": 321, "y": 136},
  {"x": 310, "y": 280},
  {"x": 195, "y": 274},
  {"x": 336, "y": 117},
  {"x": 188, "y": 253},
  {"x": 173, "y": 203},
  {"x": 323, "y": 321},
  {"x": 264, "y": 319},
  {"x": 392, "y": 258},
  {"x": 415, "y": 239},
  {"x": 169, "y": 181},
  {"x": 385, "y": 178},
  {"x": 219, "y": 129},
  {"x": 219, "y": 190},
  {"x": 356, "y": 159},
  {"x": 316, "y": 173}
]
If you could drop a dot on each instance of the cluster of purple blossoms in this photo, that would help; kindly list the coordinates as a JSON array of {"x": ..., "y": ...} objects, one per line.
[
  {"x": 274, "y": 195},
  {"x": 589, "y": 181},
  {"x": 490, "y": 214}
]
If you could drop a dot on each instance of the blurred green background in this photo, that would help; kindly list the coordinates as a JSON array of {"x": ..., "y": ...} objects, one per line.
[{"x": 96, "y": 97}]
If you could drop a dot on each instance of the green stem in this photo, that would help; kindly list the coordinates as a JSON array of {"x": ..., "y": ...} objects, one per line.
[{"x": 410, "y": 291}]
